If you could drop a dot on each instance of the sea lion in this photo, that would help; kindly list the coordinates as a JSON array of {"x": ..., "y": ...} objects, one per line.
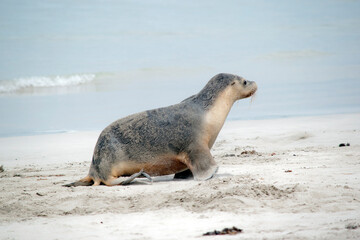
[{"x": 167, "y": 140}]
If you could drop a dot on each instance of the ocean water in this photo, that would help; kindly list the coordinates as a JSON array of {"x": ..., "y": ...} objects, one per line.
[{"x": 79, "y": 65}]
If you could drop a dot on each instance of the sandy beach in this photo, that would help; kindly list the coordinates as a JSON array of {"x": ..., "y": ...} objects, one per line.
[{"x": 278, "y": 179}]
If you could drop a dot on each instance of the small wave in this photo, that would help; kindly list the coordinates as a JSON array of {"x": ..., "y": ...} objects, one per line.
[
  {"x": 53, "y": 132},
  {"x": 45, "y": 82}
]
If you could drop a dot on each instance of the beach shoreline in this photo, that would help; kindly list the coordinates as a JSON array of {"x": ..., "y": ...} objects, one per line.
[{"x": 278, "y": 178}]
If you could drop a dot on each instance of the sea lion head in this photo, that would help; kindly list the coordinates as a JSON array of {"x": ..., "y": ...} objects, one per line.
[
  {"x": 235, "y": 86},
  {"x": 224, "y": 85},
  {"x": 242, "y": 87}
]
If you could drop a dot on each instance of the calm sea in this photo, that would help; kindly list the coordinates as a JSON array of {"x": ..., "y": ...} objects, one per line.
[{"x": 79, "y": 65}]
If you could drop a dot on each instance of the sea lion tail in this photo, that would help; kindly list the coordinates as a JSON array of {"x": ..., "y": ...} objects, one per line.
[{"x": 86, "y": 181}]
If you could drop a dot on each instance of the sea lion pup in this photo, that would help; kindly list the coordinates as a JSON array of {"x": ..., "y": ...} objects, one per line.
[{"x": 167, "y": 140}]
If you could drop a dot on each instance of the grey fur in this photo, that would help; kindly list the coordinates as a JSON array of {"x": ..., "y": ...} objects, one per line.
[{"x": 145, "y": 135}]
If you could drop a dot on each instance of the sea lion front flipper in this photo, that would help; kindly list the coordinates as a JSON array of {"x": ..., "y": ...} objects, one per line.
[{"x": 202, "y": 165}]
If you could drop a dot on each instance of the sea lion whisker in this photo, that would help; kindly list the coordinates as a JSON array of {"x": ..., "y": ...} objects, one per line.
[{"x": 253, "y": 97}]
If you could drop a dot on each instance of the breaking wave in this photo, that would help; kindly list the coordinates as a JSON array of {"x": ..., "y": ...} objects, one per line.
[{"x": 45, "y": 82}]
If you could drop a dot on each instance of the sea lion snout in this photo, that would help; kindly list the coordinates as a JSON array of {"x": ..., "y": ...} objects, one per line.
[
  {"x": 253, "y": 87},
  {"x": 248, "y": 88}
]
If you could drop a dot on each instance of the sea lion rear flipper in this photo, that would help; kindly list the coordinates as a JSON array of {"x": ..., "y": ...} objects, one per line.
[
  {"x": 86, "y": 181},
  {"x": 131, "y": 178},
  {"x": 202, "y": 165}
]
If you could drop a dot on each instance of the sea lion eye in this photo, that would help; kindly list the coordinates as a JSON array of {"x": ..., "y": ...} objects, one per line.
[
  {"x": 245, "y": 82},
  {"x": 232, "y": 83}
]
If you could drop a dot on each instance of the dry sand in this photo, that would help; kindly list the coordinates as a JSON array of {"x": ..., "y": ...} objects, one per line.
[{"x": 278, "y": 179}]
